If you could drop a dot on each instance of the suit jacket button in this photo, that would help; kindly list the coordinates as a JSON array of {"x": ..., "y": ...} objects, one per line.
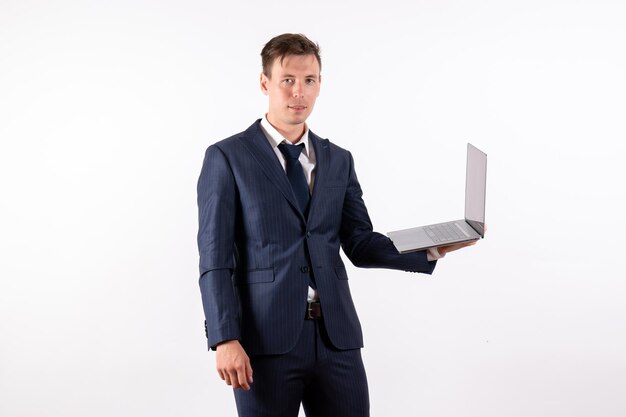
[
  {"x": 308, "y": 235},
  {"x": 304, "y": 269}
]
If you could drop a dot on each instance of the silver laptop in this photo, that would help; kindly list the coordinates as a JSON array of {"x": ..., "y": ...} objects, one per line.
[{"x": 471, "y": 228}]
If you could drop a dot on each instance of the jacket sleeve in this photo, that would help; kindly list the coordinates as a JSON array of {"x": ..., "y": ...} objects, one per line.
[
  {"x": 217, "y": 204},
  {"x": 369, "y": 249}
]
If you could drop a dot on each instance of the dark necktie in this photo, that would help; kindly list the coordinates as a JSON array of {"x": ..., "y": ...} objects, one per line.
[{"x": 295, "y": 174}]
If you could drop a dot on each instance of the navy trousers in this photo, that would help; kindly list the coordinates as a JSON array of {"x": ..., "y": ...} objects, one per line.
[{"x": 327, "y": 381}]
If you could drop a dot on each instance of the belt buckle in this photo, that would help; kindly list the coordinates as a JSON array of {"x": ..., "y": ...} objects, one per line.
[
  {"x": 313, "y": 310},
  {"x": 309, "y": 310}
]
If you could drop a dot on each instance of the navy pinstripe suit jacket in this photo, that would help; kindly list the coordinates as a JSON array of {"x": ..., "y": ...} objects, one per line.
[{"x": 257, "y": 249}]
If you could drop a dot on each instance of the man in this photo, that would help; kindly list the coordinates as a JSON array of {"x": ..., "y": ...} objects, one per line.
[{"x": 276, "y": 202}]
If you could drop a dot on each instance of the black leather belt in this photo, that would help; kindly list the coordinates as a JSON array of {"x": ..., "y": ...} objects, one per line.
[{"x": 313, "y": 310}]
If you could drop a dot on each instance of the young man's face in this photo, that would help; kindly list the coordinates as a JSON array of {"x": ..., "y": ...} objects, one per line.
[{"x": 292, "y": 90}]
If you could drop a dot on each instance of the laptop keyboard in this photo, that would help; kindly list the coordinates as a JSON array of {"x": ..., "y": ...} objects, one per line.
[{"x": 444, "y": 232}]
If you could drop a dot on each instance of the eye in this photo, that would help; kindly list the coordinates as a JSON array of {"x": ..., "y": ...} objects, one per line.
[
  {"x": 288, "y": 81},
  {"x": 311, "y": 81}
]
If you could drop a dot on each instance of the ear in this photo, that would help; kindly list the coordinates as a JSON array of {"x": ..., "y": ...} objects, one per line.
[
  {"x": 263, "y": 83},
  {"x": 319, "y": 80}
]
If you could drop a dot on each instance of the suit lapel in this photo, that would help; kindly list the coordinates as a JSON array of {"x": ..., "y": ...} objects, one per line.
[
  {"x": 322, "y": 159},
  {"x": 255, "y": 141}
]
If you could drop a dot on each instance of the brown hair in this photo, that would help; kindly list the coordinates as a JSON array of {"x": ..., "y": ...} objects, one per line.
[{"x": 287, "y": 44}]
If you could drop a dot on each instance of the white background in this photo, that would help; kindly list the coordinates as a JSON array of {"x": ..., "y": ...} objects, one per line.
[{"x": 106, "y": 109}]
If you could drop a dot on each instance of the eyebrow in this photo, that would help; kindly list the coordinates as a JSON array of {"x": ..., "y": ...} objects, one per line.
[{"x": 293, "y": 76}]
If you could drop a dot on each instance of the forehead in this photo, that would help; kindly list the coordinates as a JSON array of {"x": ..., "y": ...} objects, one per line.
[{"x": 296, "y": 65}]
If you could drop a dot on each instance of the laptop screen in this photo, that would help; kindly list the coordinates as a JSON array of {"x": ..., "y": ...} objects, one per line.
[{"x": 475, "y": 188}]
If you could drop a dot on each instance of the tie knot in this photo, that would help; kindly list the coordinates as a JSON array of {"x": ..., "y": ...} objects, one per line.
[{"x": 291, "y": 151}]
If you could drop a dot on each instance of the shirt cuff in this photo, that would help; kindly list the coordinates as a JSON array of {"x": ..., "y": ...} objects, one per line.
[{"x": 433, "y": 254}]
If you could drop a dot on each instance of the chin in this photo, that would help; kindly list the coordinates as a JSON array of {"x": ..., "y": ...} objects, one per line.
[{"x": 301, "y": 118}]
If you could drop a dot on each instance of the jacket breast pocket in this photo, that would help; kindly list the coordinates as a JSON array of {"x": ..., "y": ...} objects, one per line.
[
  {"x": 255, "y": 276},
  {"x": 340, "y": 272}
]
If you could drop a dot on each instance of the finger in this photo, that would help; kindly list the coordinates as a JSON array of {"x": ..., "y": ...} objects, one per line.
[
  {"x": 249, "y": 372},
  {"x": 243, "y": 383},
  {"x": 234, "y": 380},
  {"x": 458, "y": 246},
  {"x": 221, "y": 374},
  {"x": 468, "y": 243}
]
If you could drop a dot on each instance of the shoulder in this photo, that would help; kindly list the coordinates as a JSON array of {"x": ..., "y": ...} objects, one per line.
[
  {"x": 233, "y": 142},
  {"x": 328, "y": 144}
]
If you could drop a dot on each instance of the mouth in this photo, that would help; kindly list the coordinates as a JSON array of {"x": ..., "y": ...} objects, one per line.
[{"x": 297, "y": 107}]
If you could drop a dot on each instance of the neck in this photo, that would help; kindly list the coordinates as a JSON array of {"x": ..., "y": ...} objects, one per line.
[{"x": 292, "y": 133}]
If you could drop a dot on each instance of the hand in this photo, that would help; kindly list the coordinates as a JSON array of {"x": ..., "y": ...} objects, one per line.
[
  {"x": 456, "y": 246},
  {"x": 451, "y": 248},
  {"x": 233, "y": 364}
]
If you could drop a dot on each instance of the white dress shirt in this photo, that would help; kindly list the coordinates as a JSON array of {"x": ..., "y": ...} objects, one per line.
[
  {"x": 307, "y": 160},
  {"x": 307, "y": 157}
]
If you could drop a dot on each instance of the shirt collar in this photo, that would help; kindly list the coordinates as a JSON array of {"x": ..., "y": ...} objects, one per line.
[{"x": 275, "y": 138}]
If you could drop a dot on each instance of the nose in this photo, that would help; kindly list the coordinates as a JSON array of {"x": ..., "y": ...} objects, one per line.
[{"x": 297, "y": 91}]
